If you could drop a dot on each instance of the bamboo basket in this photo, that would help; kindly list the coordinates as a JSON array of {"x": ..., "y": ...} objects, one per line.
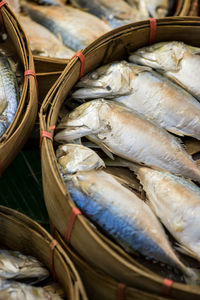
[
  {"x": 194, "y": 9},
  {"x": 183, "y": 8},
  {"x": 17, "y": 133},
  {"x": 101, "y": 286},
  {"x": 21, "y": 233},
  {"x": 95, "y": 248},
  {"x": 47, "y": 71}
]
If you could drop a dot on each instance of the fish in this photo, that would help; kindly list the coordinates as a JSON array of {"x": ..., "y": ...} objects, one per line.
[
  {"x": 50, "y": 2},
  {"x": 118, "y": 211},
  {"x": 115, "y": 12},
  {"x": 176, "y": 202},
  {"x": 43, "y": 42},
  {"x": 176, "y": 60},
  {"x": 121, "y": 131},
  {"x": 9, "y": 94},
  {"x": 145, "y": 91},
  {"x": 18, "y": 291},
  {"x": 151, "y": 8},
  {"x": 70, "y": 24},
  {"x": 15, "y": 265},
  {"x": 14, "y": 5}
]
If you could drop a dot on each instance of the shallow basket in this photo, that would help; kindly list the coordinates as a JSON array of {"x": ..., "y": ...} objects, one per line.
[
  {"x": 17, "y": 133},
  {"x": 100, "y": 286},
  {"x": 21, "y": 233},
  {"x": 88, "y": 242}
]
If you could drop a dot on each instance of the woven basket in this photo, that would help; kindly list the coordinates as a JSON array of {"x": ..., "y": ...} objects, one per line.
[
  {"x": 101, "y": 286},
  {"x": 21, "y": 233},
  {"x": 85, "y": 238},
  {"x": 47, "y": 71},
  {"x": 18, "y": 132}
]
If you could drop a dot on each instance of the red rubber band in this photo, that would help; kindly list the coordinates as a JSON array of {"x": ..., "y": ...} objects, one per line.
[
  {"x": 80, "y": 55},
  {"x": 75, "y": 212},
  {"x": 153, "y": 27},
  {"x": 32, "y": 73},
  {"x": 53, "y": 244},
  {"x": 46, "y": 134},
  {"x": 166, "y": 287},
  {"x": 3, "y": 3},
  {"x": 121, "y": 291}
]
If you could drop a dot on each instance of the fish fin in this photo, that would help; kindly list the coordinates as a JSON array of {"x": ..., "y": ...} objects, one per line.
[
  {"x": 104, "y": 147},
  {"x": 175, "y": 131},
  {"x": 192, "y": 276},
  {"x": 184, "y": 250}
]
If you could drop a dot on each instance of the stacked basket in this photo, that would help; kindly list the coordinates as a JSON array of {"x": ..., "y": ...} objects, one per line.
[
  {"x": 20, "y": 233},
  {"x": 99, "y": 253}
]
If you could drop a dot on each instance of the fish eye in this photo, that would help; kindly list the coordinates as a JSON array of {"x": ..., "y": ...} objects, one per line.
[
  {"x": 94, "y": 76},
  {"x": 108, "y": 88}
]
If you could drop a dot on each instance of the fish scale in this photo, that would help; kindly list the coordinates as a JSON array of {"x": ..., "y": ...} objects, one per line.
[
  {"x": 117, "y": 210},
  {"x": 146, "y": 91},
  {"x": 8, "y": 94},
  {"x": 70, "y": 24},
  {"x": 121, "y": 131}
]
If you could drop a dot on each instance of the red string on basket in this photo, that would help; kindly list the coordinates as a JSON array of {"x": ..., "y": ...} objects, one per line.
[
  {"x": 32, "y": 73},
  {"x": 53, "y": 244},
  {"x": 153, "y": 27},
  {"x": 166, "y": 287},
  {"x": 81, "y": 56},
  {"x": 4, "y": 34},
  {"x": 74, "y": 213},
  {"x": 121, "y": 291},
  {"x": 46, "y": 134},
  {"x": 3, "y": 3}
]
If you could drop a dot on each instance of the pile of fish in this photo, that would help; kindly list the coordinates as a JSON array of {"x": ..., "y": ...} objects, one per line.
[
  {"x": 57, "y": 28},
  {"x": 9, "y": 94},
  {"x": 18, "y": 273},
  {"x": 129, "y": 114}
]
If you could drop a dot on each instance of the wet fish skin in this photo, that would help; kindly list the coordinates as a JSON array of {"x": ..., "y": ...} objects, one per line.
[
  {"x": 15, "y": 265},
  {"x": 116, "y": 12},
  {"x": 145, "y": 91},
  {"x": 176, "y": 202},
  {"x": 43, "y": 42},
  {"x": 50, "y": 2},
  {"x": 118, "y": 211},
  {"x": 17, "y": 291},
  {"x": 70, "y": 24},
  {"x": 74, "y": 158},
  {"x": 9, "y": 95},
  {"x": 176, "y": 60},
  {"x": 119, "y": 130},
  {"x": 151, "y": 8}
]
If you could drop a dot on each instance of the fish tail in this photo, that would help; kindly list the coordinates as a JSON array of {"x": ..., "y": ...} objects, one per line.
[{"x": 192, "y": 276}]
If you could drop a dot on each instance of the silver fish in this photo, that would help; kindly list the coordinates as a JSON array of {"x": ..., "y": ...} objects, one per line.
[
  {"x": 17, "y": 291},
  {"x": 145, "y": 91},
  {"x": 176, "y": 202},
  {"x": 9, "y": 95},
  {"x": 72, "y": 25},
  {"x": 151, "y": 8},
  {"x": 14, "y": 265},
  {"x": 117, "y": 210},
  {"x": 121, "y": 131},
  {"x": 176, "y": 60},
  {"x": 43, "y": 42},
  {"x": 116, "y": 12}
]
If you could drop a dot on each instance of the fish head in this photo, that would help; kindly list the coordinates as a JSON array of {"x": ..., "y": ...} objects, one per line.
[
  {"x": 164, "y": 56},
  {"x": 73, "y": 158},
  {"x": 106, "y": 81},
  {"x": 158, "y": 8},
  {"x": 84, "y": 120}
]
